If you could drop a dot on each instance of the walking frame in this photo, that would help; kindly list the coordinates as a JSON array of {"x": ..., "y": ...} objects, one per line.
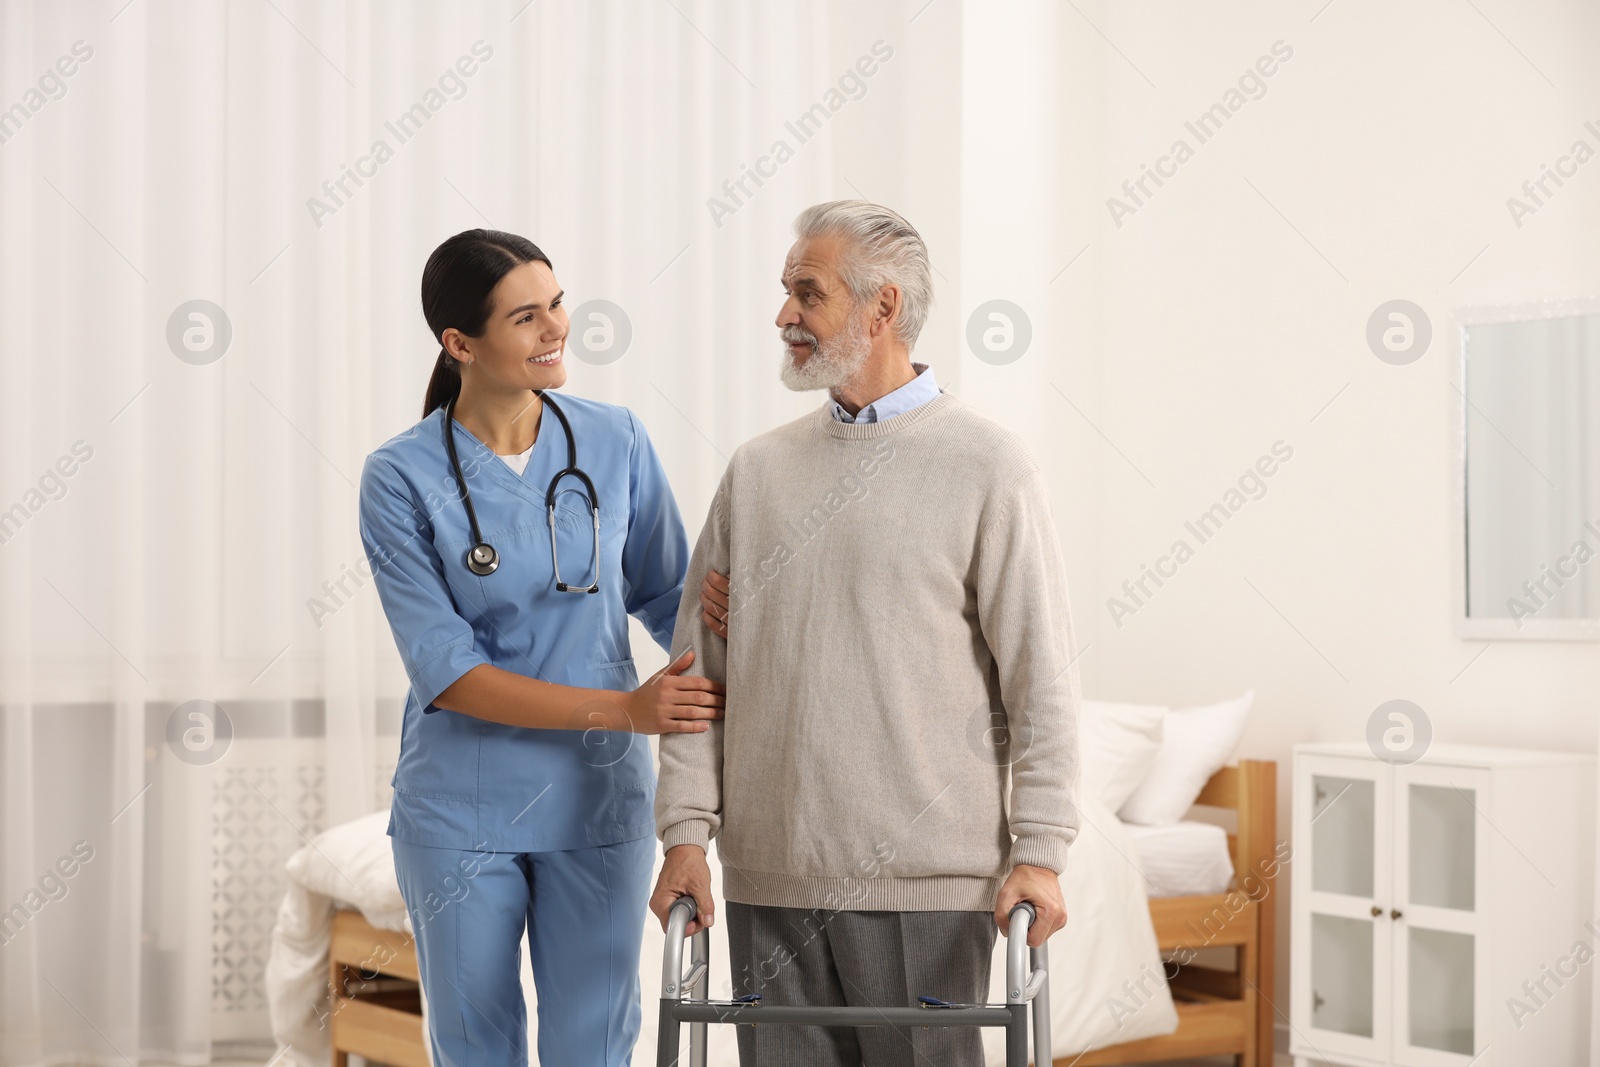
[{"x": 685, "y": 998}]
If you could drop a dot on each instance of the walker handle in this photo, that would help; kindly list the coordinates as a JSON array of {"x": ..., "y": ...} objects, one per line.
[
  {"x": 673, "y": 979},
  {"x": 675, "y": 983},
  {"x": 1023, "y": 985}
]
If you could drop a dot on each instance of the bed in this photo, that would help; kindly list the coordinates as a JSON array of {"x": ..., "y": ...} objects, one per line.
[
  {"x": 1220, "y": 1011},
  {"x": 1123, "y": 938}
]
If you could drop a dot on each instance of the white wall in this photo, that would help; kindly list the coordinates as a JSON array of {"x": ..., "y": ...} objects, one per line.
[{"x": 1389, "y": 143}]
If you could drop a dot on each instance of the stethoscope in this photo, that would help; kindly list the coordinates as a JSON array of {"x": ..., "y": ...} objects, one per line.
[{"x": 482, "y": 559}]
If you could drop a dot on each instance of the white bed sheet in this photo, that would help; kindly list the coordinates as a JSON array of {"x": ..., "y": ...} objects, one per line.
[{"x": 1182, "y": 858}]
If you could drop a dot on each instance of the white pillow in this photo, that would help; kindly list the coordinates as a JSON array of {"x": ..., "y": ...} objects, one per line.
[
  {"x": 354, "y": 863},
  {"x": 1198, "y": 743},
  {"x": 1116, "y": 745}
]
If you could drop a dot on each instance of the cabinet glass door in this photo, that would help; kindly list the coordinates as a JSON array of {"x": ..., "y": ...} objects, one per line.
[
  {"x": 1342, "y": 974},
  {"x": 1343, "y": 821},
  {"x": 1340, "y": 867},
  {"x": 1439, "y": 862}
]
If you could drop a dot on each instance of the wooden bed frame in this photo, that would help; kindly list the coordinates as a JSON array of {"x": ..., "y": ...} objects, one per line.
[
  {"x": 377, "y": 1003},
  {"x": 1220, "y": 1012},
  {"x": 376, "y": 1010}
]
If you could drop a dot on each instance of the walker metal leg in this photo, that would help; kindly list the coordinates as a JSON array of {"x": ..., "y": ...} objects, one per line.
[
  {"x": 699, "y": 953},
  {"x": 1043, "y": 1049},
  {"x": 667, "y": 1036},
  {"x": 1017, "y": 1037}
]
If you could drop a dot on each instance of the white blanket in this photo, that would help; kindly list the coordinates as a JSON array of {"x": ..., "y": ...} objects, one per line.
[{"x": 1106, "y": 973}]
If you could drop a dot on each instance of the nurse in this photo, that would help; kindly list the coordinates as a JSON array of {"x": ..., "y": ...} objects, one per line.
[{"x": 524, "y": 793}]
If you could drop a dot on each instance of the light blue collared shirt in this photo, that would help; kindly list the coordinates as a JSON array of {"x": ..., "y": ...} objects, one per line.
[{"x": 915, "y": 393}]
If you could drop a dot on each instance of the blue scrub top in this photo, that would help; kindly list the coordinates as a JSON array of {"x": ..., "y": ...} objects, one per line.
[{"x": 467, "y": 783}]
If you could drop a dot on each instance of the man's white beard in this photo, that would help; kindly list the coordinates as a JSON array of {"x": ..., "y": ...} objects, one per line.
[{"x": 830, "y": 365}]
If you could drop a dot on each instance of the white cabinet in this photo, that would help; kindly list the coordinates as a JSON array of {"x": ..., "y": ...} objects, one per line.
[{"x": 1442, "y": 912}]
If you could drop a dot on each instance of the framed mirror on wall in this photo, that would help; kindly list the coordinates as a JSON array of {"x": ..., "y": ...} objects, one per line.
[{"x": 1527, "y": 471}]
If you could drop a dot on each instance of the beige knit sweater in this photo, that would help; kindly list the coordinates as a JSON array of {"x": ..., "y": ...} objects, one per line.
[{"x": 899, "y": 666}]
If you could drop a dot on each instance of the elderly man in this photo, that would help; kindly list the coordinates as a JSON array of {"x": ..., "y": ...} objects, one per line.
[{"x": 898, "y": 765}]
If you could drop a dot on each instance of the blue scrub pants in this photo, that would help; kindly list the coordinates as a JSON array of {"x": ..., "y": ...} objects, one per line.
[{"x": 584, "y": 912}]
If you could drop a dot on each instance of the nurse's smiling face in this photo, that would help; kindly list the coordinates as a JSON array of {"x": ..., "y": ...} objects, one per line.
[{"x": 524, "y": 344}]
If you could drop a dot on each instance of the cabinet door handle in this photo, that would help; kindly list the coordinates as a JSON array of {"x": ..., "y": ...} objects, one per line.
[
  {"x": 1394, "y": 913},
  {"x": 1376, "y": 911}
]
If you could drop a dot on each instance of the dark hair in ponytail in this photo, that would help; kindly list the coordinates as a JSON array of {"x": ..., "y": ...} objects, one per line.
[{"x": 458, "y": 291}]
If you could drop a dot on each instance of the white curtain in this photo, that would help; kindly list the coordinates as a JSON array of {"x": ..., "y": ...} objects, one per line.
[{"x": 177, "y": 520}]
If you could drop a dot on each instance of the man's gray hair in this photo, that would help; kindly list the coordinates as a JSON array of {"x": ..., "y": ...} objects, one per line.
[{"x": 881, "y": 248}]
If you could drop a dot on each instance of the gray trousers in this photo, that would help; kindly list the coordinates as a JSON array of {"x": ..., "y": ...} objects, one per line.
[{"x": 833, "y": 958}]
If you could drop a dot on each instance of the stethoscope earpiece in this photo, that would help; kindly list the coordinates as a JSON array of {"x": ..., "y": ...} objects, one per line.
[{"x": 482, "y": 559}]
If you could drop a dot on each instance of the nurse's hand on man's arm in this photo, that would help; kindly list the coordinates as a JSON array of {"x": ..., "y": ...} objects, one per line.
[
  {"x": 671, "y": 703},
  {"x": 667, "y": 703},
  {"x": 685, "y": 872},
  {"x": 714, "y": 602}
]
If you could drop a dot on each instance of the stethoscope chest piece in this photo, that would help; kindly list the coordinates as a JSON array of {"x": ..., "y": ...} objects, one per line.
[{"x": 482, "y": 559}]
